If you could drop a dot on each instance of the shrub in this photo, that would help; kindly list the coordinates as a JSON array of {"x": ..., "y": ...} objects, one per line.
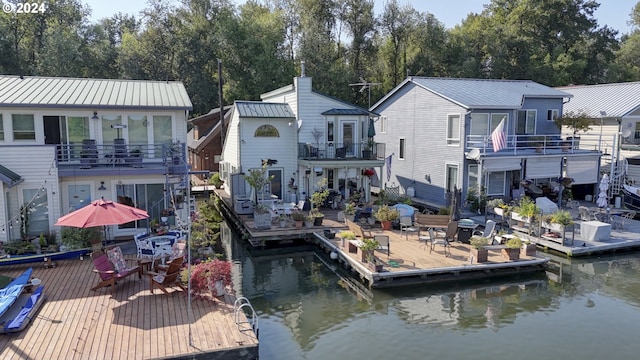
[{"x": 205, "y": 274}]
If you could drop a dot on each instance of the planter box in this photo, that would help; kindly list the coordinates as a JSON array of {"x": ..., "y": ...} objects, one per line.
[
  {"x": 553, "y": 227},
  {"x": 262, "y": 221},
  {"x": 480, "y": 255},
  {"x": 510, "y": 254},
  {"x": 528, "y": 250}
]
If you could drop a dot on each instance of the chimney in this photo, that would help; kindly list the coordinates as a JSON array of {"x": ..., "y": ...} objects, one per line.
[
  {"x": 302, "y": 74},
  {"x": 196, "y": 133}
]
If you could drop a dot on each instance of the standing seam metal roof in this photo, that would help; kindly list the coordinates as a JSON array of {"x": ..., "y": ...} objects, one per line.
[
  {"x": 617, "y": 100},
  {"x": 487, "y": 93},
  {"x": 258, "y": 109},
  {"x": 92, "y": 93}
]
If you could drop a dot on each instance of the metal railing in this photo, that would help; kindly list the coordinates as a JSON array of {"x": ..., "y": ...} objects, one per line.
[
  {"x": 347, "y": 151},
  {"x": 543, "y": 144},
  {"x": 90, "y": 154}
]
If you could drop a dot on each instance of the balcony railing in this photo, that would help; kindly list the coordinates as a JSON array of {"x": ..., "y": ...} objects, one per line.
[
  {"x": 89, "y": 154},
  {"x": 346, "y": 151},
  {"x": 543, "y": 144}
]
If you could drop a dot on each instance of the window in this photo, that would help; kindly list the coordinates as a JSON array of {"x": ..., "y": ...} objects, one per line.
[
  {"x": 401, "y": 151},
  {"x": 453, "y": 130},
  {"x": 526, "y": 124},
  {"x": 108, "y": 132},
  {"x": 479, "y": 124},
  {"x": 330, "y": 131},
  {"x": 383, "y": 124},
  {"x": 23, "y": 127},
  {"x": 495, "y": 183},
  {"x": 39, "y": 211},
  {"x": 495, "y": 121},
  {"x": 473, "y": 176},
  {"x": 1, "y": 129},
  {"x": 266, "y": 131},
  {"x": 552, "y": 114},
  {"x": 451, "y": 177},
  {"x": 79, "y": 196},
  {"x": 137, "y": 129}
]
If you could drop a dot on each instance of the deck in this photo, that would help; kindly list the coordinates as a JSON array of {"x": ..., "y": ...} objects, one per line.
[{"x": 77, "y": 323}]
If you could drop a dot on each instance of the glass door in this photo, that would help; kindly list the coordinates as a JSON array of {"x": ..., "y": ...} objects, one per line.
[{"x": 349, "y": 137}]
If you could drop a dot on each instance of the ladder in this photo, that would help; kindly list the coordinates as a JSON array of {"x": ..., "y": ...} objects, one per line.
[{"x": 244, "y": 321}]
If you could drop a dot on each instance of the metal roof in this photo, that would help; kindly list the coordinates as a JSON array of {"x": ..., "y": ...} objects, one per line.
[
  {"x": 357, "y": 111},
  {"x": 9, "y": 177},
  {"x": 33, "y": 92},
  {"x": 616, "y": 100},
  {"x": 258, "y": 109},
  {"x": 482, "y": 93}
]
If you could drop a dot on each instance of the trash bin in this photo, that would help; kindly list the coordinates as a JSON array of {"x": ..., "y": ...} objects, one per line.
[{"x": 465, "y": 230}]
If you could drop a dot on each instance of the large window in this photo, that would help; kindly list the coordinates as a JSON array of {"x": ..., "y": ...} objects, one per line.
[
  {"x": 137, "y": 129},
  {"x": 108, "y": 132},
  {"x": 142, "y": 196},
  {"x": 526, "y": 122},
  {"x": 162, "y": 133},
  {"x": 73, "y": 130},
  {"x": 330, "y": 131},
  {"x": 495, "y": 183},
  {"x": 79, "y": 196},
  {"x": 38, "y": 209},
  {"x": 23, "y": 127},
  {"x": 473, "y": 176},
  {"x": 484, "y": 124},
  {"x": 453, "y": 130},
  {"x": 401, "y": 150}
]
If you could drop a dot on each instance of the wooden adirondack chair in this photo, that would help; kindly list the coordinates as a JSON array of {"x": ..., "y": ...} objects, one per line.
[
  {"x": 110, "y": 274},
  {"x": 169, "y": 278}
]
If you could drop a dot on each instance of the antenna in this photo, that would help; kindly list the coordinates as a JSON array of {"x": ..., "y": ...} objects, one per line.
[{"x": 365, "y": 85}]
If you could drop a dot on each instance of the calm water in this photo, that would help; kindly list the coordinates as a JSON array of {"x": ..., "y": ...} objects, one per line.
[{"x": 580, "y": 309}]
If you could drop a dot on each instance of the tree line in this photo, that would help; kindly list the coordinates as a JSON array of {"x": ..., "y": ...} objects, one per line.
[{"x": 343, "y": 42}]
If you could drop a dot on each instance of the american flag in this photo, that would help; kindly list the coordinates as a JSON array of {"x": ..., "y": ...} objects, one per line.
[
  {"x": 498, "y": 137},
  {"x": 387, "y": 162}
]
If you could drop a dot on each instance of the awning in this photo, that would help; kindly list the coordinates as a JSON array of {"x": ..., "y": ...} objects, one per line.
[
  {"x": 543, "y": 167},
  {"x": 501, "y": 164},
  {"x": 9, "y": 177},
  {"x": 583, "y": 169}
]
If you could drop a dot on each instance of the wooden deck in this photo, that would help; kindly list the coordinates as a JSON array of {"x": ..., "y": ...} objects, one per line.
[{"x": 76, "y": 323}]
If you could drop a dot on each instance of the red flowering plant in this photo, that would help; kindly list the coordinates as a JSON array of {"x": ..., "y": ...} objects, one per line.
[{"x": 205, "y": 274}]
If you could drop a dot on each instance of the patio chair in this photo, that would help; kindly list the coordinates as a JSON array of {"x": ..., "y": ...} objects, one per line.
[
  {"x": 488, "y": 232},
  {"x": 435, "y": 240},
  {"x": 452, "y": 231},
  {"x": 111, "y": 267},
  {"x": 177, "y": 250},
  {"x": 406, "y": 226},
  {"x": 625, "y": 218},
  {"x": 586, "y": 214},
  {"x": 383, "y": 243},
  {"x": 168, "y": 278}
]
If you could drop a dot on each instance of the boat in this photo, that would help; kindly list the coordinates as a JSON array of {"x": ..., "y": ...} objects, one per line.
[
  {"x": 631, "y": 197},
  {"x": 18, "y": 304},
  {"x": 54, "y": 256}
]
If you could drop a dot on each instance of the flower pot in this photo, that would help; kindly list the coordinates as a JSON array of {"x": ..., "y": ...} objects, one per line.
[
  {"x": 375, "y": 267},
  {"x": 308, "y": 223},
  {"x": 480, "y": 255},
  {"x": 262, "y": 221},
  {"x": 386, "y": 225},
  {"x": 528, "y": 250},
  {"x": 299, "y": 224},
  {"x": 317, "y": 221},
  {"x": 218, "y": 289}
]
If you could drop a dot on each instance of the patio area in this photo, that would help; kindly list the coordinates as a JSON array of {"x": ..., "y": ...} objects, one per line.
[{"x": 76, "y": 323}]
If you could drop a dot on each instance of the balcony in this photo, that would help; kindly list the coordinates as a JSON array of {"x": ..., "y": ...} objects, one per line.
[
  {"x": 90, "y": 158},
  {"x": 341, "y": 151},
  {"x": 542, "y": 144}
]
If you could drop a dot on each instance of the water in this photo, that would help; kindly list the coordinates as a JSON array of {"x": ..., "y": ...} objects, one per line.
[{"x": 579, "y": 309}]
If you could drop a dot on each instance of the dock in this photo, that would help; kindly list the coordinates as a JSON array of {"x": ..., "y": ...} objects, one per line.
[{"x": 77, "y": 323}]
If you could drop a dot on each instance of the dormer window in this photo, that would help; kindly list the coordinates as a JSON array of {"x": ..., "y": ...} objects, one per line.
[{"x": 266, "y": 131}]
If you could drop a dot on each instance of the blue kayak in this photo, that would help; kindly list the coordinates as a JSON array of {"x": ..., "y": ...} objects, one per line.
[{"x": 11, "y": 292}]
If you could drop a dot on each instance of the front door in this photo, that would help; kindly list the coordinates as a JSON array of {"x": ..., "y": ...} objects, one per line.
[
  {"x": 276, "y": 182},
  {"x": 349, "y": 137}
]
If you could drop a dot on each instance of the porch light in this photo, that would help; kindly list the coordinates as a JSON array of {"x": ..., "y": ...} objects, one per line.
[{"x": 95, "y": 116}]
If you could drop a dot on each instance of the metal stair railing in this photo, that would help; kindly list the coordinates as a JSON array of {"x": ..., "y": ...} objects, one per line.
[{"x": 244, "y": 321}]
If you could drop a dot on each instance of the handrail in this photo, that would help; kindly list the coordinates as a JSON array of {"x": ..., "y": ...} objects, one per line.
[{"x": 249, "y": 323}]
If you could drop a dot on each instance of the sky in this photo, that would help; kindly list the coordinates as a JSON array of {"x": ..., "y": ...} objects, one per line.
[{"x": 614, "y": 13}]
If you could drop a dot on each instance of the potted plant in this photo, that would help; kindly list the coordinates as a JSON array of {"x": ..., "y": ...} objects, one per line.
[
  {"x": 528, "y": 248},
  {"x": 216, "y": 181},
  {"x": 298, "y": 217},
  {"x": 317, "y": 200},
  {"x": 308, "y": 221},
  {"x": 512, "y": 249},
  {"x": 478, "y": 250},
  {"x": 258, "y": 179},
  {"x": 368, "y": 247},
  {"x": 282, "y": 220},
  {"x": 210, "y": 277},
  {"x": 386, "y": 214},
  {"x": 367, "y": 151},
  {"x": 524, "y": 212},
  {"x": 346, "y": 235},
  {"x": 350, "y": 211}
]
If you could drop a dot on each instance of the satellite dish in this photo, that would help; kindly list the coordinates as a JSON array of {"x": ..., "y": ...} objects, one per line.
[
  {"x": 627, "y": 129},
  {"x": 473, "y": 154}
]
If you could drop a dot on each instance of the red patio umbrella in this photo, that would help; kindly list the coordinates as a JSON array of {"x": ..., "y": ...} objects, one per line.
[{"x": 102, "y": 213}]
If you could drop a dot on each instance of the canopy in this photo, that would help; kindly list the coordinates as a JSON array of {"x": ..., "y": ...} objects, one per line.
[{"x": 102, "y": 213}]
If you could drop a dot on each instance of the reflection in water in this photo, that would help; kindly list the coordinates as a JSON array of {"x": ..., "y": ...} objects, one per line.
[{"x": 309, "y": 308}]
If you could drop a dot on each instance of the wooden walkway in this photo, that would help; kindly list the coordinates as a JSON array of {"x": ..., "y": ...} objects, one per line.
[{"x": 77, "y": 323}]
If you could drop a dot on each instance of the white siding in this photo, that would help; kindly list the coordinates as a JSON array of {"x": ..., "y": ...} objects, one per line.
[{"x": 35, "y": 164}]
